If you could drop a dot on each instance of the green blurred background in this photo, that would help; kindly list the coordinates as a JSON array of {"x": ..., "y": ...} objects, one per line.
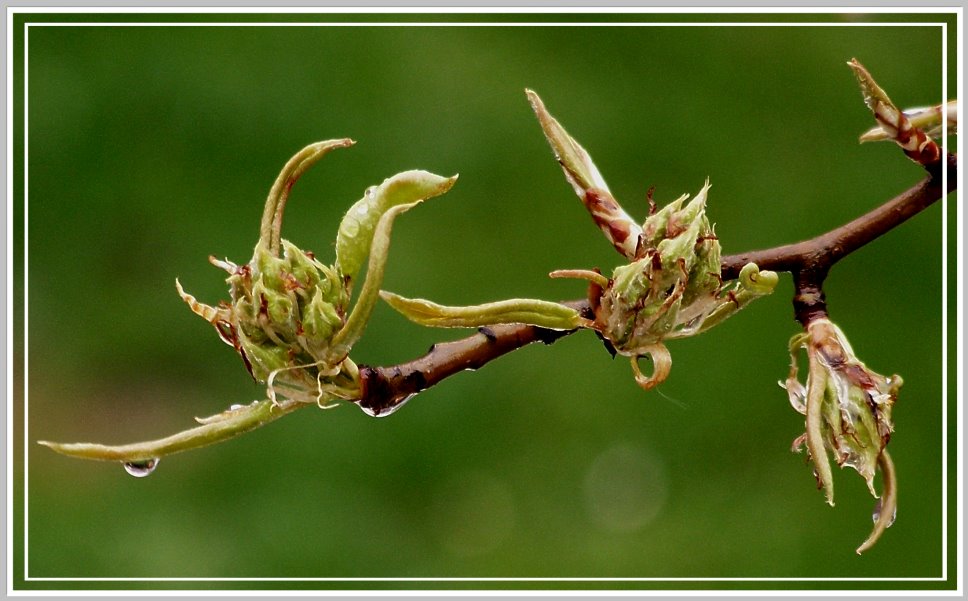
[{"x": 152, "y": 147}]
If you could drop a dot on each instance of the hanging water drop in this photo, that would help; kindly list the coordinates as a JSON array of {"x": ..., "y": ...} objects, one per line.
[
  {"x": 140, "y": 469},
  {"x": 877, "y": 514},
  {"x": 385, "y": 411}
]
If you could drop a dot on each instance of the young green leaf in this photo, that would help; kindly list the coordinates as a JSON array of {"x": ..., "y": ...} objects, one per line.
[
  {"x": 540, "y": 313},
  {"x": 356, "y": 230}
]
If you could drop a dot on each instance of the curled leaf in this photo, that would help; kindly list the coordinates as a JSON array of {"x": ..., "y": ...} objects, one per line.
[
  {"x": 360, "y": 316},
  {"x": 757, "y": 282},
  {"x": 275, "y": 206},
  {"x": 816, "y": 393},
  {"x": 662, "y": 365},
  {"x": 355, "y": 233}
]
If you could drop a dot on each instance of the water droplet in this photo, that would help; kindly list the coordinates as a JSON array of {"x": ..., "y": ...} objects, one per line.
[
  {"x": 877, "y": 514},
  {"x": 350, "y": 226},
  {"x": 385, "y": 411},
  {"x": 140, "y": 469},
  {"x": 235, "y": 407},
  {"x": 797, "y": 394}
]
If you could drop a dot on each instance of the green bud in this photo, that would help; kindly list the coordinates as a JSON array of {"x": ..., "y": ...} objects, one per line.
[
  {"x": 654, "y": 228},
  {"x": 304, "y": 272},
  {"x": 263, "y": 357},
  {"x": 706, "y": 279},
  {"x": 676, "y": 290},
  {"x": 672, "y": 286},
  {"x": 682, "y": 234},
  {"x": 319, "y": 322},
  {"x": 289, "y": 315}
]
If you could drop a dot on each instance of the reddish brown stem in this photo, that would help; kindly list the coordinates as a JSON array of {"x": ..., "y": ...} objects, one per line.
[
  {"x": 384, "y": 388},
  {"x": 822, "y": 252}
]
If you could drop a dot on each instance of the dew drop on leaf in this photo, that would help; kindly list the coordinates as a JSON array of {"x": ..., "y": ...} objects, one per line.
[
  {"x": 140, "y": 469},
  {"x": 877, "y": 514},
  {"x": 351, "y": 227}
]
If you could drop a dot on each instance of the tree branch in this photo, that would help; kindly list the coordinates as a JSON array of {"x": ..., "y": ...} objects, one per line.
[
  {"x": 825, "y": 250},
  {"x": 385, "y": 389}
]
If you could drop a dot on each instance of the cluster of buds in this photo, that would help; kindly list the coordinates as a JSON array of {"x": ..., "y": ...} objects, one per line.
[
  {"x": 289, "y": 317},
  {"x": 672, "y": 286},
  {"x": 848, "y": 415}
]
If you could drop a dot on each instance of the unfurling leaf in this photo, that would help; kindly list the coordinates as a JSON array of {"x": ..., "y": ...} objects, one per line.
[
  {"x": 848, "y": 414},
  {"x": 544, "y": 314},
  {"x": 620, "y": 229}
]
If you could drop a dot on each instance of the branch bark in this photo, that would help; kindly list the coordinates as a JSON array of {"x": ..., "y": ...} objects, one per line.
[{"x": 384, "y": 389}]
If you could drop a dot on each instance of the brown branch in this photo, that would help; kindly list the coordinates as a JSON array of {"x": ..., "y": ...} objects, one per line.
[
  {"x": 822, "y": 252},
  {"x": 384, "y": 389}
]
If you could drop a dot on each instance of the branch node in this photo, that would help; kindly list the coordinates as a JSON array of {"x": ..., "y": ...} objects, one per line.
[{"x": 809, "y": 302}]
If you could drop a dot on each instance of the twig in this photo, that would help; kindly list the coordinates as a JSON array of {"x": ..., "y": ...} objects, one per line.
[
  {"x": 383, "y": 389},
  {"x": 825, "y": 250}
]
